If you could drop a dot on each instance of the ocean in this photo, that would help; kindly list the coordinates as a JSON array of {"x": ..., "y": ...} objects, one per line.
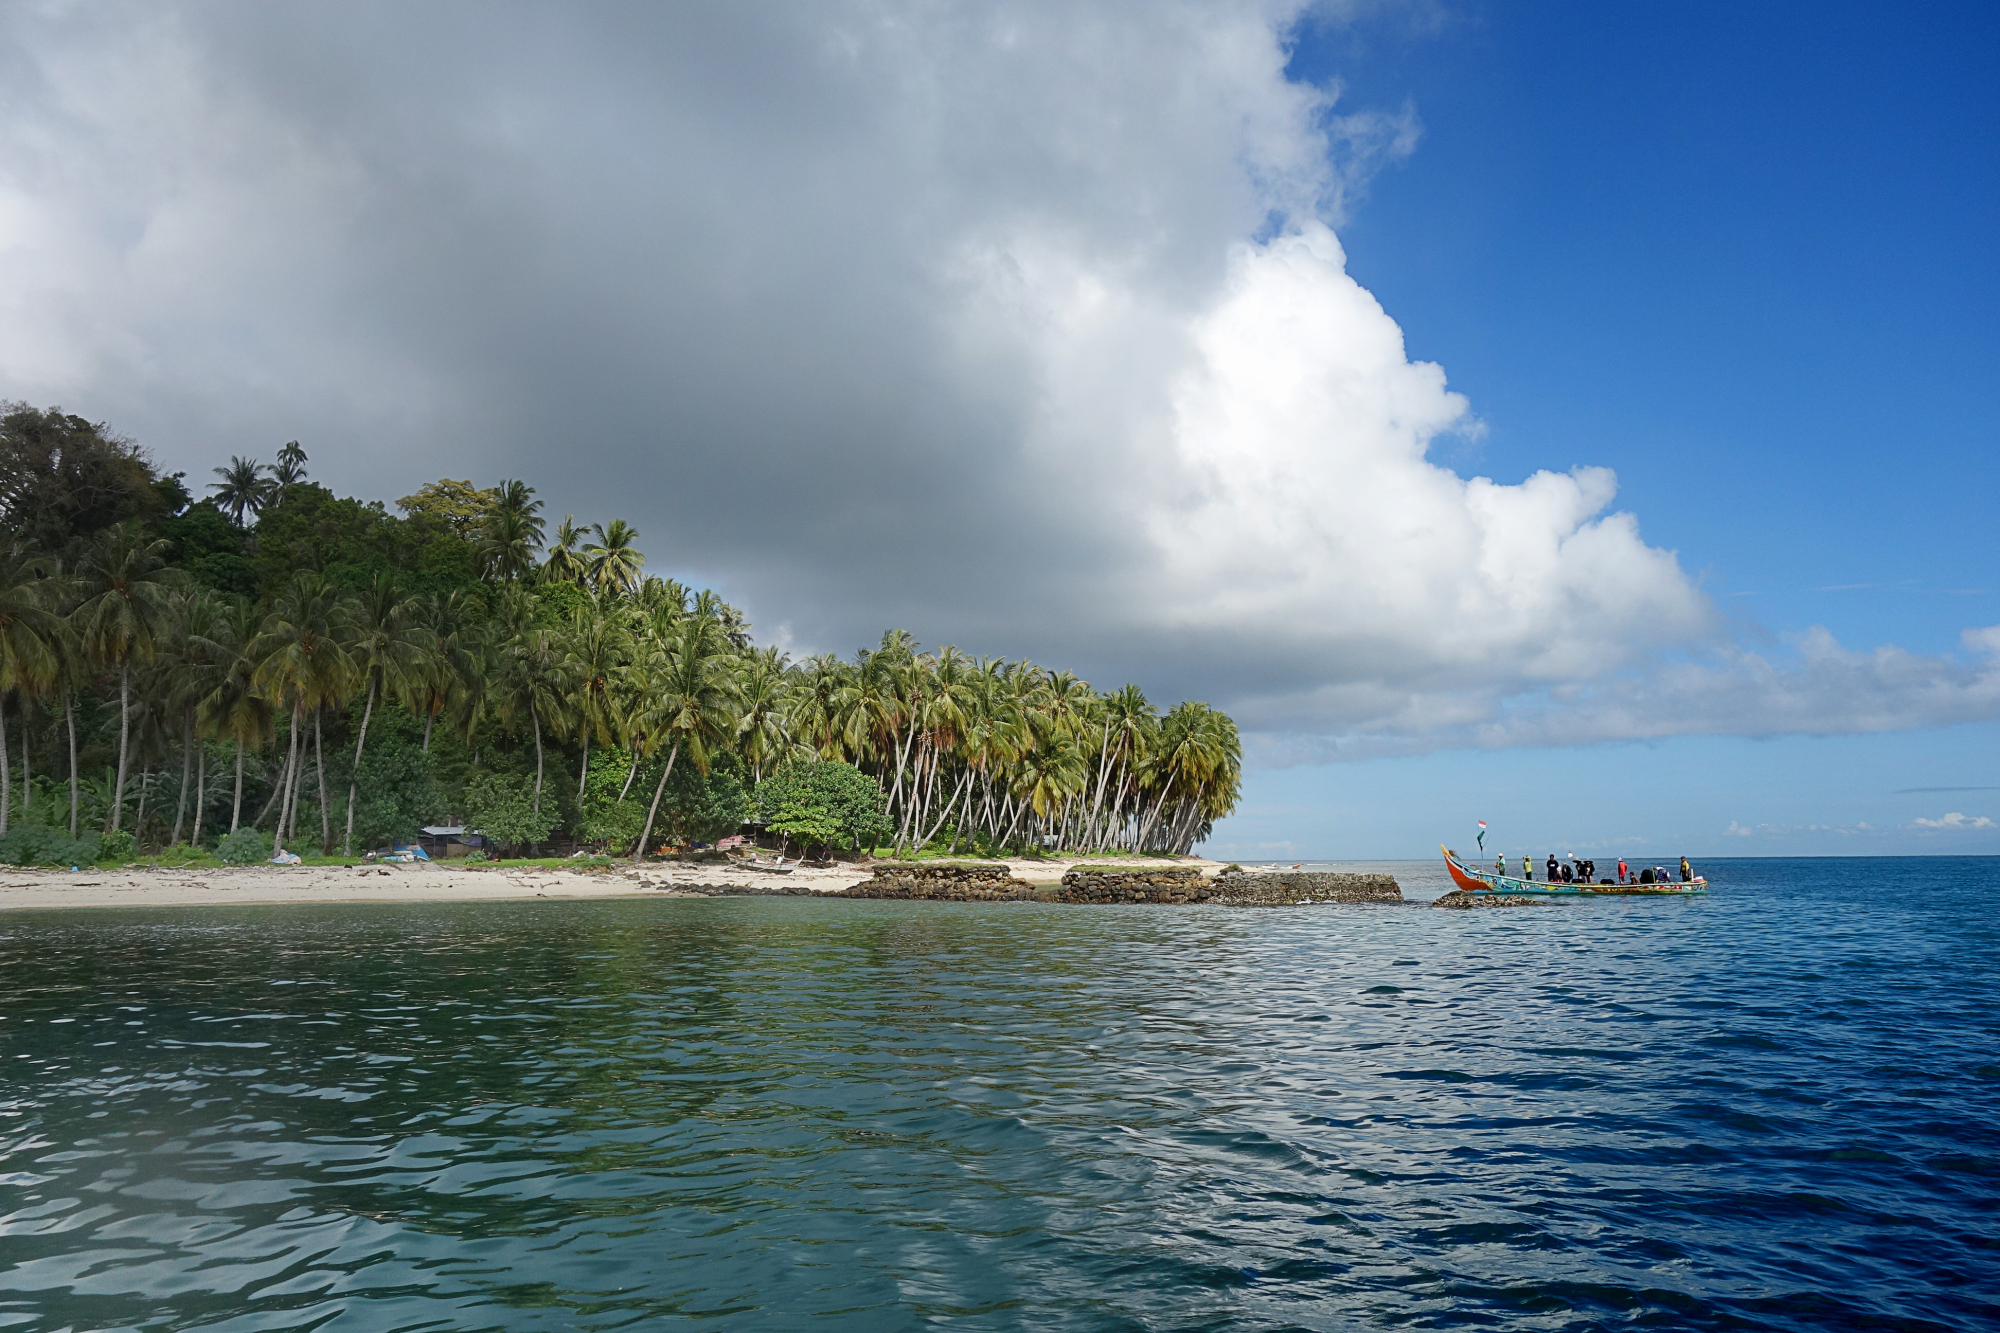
[{"x": 1776, "y": 1107}]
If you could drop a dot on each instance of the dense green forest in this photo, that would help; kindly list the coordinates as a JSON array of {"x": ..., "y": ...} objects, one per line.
[{"x": 182, "y": 662}]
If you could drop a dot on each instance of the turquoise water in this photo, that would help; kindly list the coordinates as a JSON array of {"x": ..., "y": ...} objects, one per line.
[{"x": 1776, "y": 1108}]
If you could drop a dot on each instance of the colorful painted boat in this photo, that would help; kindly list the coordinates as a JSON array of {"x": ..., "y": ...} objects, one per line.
[{"x": 1487, "y": 881}]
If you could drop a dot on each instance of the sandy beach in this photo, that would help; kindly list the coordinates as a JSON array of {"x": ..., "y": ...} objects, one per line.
[{"x": 198, "y": 886}]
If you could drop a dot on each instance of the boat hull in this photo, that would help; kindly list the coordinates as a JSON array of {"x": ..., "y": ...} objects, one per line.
[{"x": 1486, "y": 881}]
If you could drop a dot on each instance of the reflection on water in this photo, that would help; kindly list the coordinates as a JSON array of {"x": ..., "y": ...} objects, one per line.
[{"x": 1773, "y": 1108}]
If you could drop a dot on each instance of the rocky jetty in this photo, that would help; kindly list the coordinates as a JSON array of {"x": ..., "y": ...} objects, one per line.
[
  {"x": 960, "y": 882},
  {"x": 1285, "y": 887},
  {"x": 1461, "y": 899},
  {"x": 1156, "y": 884},
  {"x": 1110, "y": 884}
]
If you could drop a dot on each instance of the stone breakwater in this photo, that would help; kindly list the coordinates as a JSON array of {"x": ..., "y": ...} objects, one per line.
[
  {"x": 961, "y": 883},
  {"x": 1093, "y": 884},
  {"x": 1294, "y": 886},
  {"x": 1171, "y": 884},
  {"x": 1459, "y": 898}
]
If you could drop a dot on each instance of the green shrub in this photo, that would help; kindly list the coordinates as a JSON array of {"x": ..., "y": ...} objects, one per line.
[
  {"x": 182, "y": 853},
  {"x": 43, "y": 845},
  {"x": 502, "y": 806},
  {"x": 824, "y": 804},
  {"x": 246, "y": 846},
  {"x": 601, "y": 816},
  {"x": 117, "y": 846}
]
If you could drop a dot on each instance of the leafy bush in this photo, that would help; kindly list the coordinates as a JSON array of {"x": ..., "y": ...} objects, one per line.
[
  {"x": 824, "y": 804},
  {"x": 117, "y": 846},
  {"x": 43, "y": 845},
  {"x": 601, "y": 816},
  {"x": 502, "y": 806},
  {"x": 396, "y": 782},
  {"x": 246, "y": 846},
  {"x": 698, "y": 807},
  {"x": 182, "y": 853}
]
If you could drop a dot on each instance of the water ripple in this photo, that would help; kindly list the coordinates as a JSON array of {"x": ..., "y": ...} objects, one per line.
[{"x": 1775, "y": 1108}]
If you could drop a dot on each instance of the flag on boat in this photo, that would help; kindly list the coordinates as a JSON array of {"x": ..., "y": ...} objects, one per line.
[{"x": 1482, "y": 835}]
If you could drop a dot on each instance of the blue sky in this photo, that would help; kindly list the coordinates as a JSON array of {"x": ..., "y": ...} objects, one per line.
[
  {"x": 1104, "y": 334},
  {"x": 1743, "y": 255}
]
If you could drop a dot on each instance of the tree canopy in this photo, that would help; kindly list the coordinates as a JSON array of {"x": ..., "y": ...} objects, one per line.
[{"x": 275, "y": 656}]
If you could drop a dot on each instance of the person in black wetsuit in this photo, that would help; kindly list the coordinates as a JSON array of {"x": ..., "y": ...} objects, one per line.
[{"x": 1555, "y": 875}]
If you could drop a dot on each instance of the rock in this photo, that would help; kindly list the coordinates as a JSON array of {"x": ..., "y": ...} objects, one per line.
[{"x": 1461, "y": 899}]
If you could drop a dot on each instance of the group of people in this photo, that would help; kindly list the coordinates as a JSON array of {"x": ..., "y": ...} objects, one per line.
[{"x": 1581, "y": 870}]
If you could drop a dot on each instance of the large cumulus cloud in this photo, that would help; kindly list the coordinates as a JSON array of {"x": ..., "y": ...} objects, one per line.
[{"x": 1022, "y": 326}]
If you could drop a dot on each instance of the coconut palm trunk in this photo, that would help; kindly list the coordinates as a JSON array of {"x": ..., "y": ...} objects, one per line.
[
  {"x": 6, "y": 770},
  {"x": 69, "y": 720},
  {"x": 354, "y": 778},
  {"x": 535, "y": 715},
  {"x": 187, "y": 771},
  {"x": 319, "y": 787},
  {"x": 200, "y": 791},
  {"x": 236, "y": 802},
  {"x": 124, "y": 742},
  {"x": 282, "y": 796},
  {"x": 652, "y": 811}
]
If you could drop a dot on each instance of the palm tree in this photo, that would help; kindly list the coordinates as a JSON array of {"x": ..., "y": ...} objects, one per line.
[
  {"x": 594, "y": 654},
  {"x": 615, "y": 561},
  {"x": 1127, "y": 723},
  {"x": 563, "y": 563},
  {"x": 301, "y": 651},
  {"x": 763, "y": 693},
  {"x": 388, "y": 649},
  {"x": 28, "y": 661},
  {"x": 510, "y": 532},
  {"x": 291, "y": 467},
  {"x": 244, "y": 489},
  {"x": 128, "y": 602},
  {"x": 690, "y": 702},
  {"x": 233, "y": 705},
  {"x": 448, "y": 674}
]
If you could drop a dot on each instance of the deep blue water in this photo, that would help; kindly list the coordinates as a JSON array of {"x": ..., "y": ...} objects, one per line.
[{"x": 1775, "y": 1108}]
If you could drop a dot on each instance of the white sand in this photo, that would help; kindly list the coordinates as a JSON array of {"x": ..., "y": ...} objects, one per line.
[{"x": 431, "y": 882}]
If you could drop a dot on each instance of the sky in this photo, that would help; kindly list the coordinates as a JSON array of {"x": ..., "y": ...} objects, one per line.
[{"x": 1577, "y": 417}]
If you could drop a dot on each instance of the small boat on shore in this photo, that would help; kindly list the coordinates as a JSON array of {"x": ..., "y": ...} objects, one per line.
[{"x": 1487, "y": 881}]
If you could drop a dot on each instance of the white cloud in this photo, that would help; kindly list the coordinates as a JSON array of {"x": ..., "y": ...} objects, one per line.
[
  {"x": 1954, "y": 822},
  {"x": 1018, "y": 325}
]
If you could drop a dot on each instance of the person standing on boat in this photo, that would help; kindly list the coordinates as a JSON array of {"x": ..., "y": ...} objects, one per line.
[
  {"x": 1499, "y": 865},
  {"x": 1554, "y": 873},
  {"x": 1527, "y": 868},
  {"x": 1687, "y": 871},
  {"x": 1621, "y": 870}
]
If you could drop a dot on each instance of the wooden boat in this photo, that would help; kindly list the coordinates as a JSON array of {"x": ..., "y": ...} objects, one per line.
[{"x": 1487, "y": 881}]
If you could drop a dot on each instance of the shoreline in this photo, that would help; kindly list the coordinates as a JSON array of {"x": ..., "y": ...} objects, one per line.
[{"x": 430, "y": 882}]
